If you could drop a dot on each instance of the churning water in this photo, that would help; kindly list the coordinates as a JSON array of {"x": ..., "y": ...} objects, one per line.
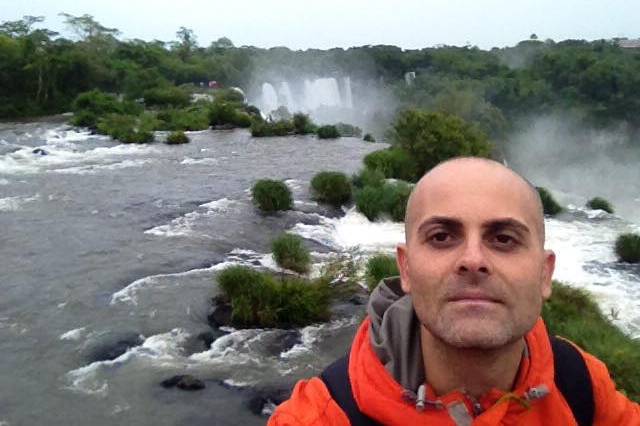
[{"x": 106, "y": 246}]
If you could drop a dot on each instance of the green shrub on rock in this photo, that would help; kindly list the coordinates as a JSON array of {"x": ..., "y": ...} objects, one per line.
[
  {"x": 368, "y": 137},
  {"x": 393, "y": 163},
  {"x": 370, "y": 201},
  {"x": 331, "y": 188},
  {"x": 177, "y": 138},
  {"x": 396, "y": 196},
  {"x": 327, "y": 132},
  {"x": 261, "y": 128},
  {"x": 378, "y": 267},
  {"x": 598, "y": 203},
  {"x": 166, "y": 97},
  {"x": 549, "y": 204},
  {"x": 573, "y": 314},
  {"x": 183, "y": 119},
  {"x": 348, "y": 130},
  {"x": 302, "y": 124},
  {"x": 433, "y": 137},
  {"x": 290, "y": 253},
  {"x": 628, "y": 247},
  {"x": 260, "y": 300},
  {"x": 368, "y": 177},
  {"x": 272, "y": 195}
]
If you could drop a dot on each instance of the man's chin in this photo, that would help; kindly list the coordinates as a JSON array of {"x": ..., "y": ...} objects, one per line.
[{"x": 476, "y": 334}]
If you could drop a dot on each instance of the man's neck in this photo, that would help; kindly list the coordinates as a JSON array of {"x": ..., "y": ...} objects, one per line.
[{"x": 475, "y": 371}]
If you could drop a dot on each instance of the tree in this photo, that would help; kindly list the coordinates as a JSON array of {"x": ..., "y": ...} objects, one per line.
[
  {"x": 432, "y": 137},
  {"x": 187, "y": 42},
  {"x": 88, "y": 29}
]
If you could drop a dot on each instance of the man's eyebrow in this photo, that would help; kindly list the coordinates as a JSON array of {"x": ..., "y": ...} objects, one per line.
[
  {"x": 507, "y": 223},
  {"x": 448, "y": 222}
]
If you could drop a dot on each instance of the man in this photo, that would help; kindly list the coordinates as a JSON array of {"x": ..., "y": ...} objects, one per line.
[{"x": 458, "y": 339}]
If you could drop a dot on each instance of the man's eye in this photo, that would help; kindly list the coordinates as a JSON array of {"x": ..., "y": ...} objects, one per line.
[
  {"x": 505, "y": 240},
  {"x": 440, "y": 237}
]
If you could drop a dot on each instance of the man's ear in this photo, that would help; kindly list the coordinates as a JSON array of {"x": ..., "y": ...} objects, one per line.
[
  {"x": 547, "y": 273},
  {"x": 403, "y": 266}
]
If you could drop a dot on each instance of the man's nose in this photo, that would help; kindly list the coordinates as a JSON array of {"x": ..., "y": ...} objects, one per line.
[{"x": 473, "y": 259}]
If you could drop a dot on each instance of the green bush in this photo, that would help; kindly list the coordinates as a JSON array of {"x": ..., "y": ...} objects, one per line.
[
  {"x": 432, "y": 137},
  {"x": 598, "y": 203},
  {"x": 101, "y": 103},
  {"x": 393, "y": 163},
  {"x": 573, "y": 314},
  {"x": 327, "y": 132},
  {"x": 169, "y": 96},
  {"x": 260, "y": 300},
  {"x": 221, "y": 113},
  {"x": 378, "y": 267},
  {"x": 390, "y": 198},
  {"x": 128, "y": 128},
  {"x": 628, "y": 247},
  {"x": 370, "y": 201},
  {"x": 261, "y": 128},
  {"x": 549, "y": 204},
  {"x": 229, "y": 95},
  {"x": 176, "y": 138},
  {"x": 368, "y": 177},
  {"x": 290, "y": 253},
  {"x": 302, "y": 124},
  {"x": 271, "y": 196},
  {"x": 85, "y": 118},
  {"x": 183, "y": 119},
  {"x": 331, "y": 188},
  {"x": 368, "y": 137},
  {"x": 395, "y": 199},
  {"x": 348, "y": 130}
]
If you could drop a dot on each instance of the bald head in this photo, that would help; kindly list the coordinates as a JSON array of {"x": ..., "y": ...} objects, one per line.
[{"x": 461, "y": 179}]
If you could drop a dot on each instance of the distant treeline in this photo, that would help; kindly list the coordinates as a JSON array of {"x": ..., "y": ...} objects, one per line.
[{"x": 41, "y": 73}]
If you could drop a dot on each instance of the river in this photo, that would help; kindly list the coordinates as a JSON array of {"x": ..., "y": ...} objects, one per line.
[{"x": 104, "y": 245}]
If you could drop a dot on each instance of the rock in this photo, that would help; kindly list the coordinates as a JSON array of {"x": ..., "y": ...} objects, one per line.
[
  {"x": 359, "y": 299},
  {"x": 220, "y": 316},
  {"x": 283, "y": 342},
  {"x": 111, "y": 351},
  {"x": 263, "y": 400},
  {"x": 40, "y": 151},
  {"x": 184, "y": 381},
  {"x": 208, "y": 337}
]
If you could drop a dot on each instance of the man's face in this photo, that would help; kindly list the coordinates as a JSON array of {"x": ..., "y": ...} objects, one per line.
[{"x": 474, "y": 260}]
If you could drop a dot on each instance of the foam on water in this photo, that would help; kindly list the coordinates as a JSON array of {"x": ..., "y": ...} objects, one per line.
[
  {"x": 183, "y": 225},
  {"x": 199, "y": 161},
  {"x": 74, "y": 334},
  {"x": 4, "y": 182},
  {"x": 311, "y": 334},
  {"x": 64, "y": 153},
  {"x": 353, "y": 230},
  {"x": 162, "y": 349},
  {"x": 129, "y": 294},
  {"x": 12, "y": 204},
  {"x": 93, "y": 169}
]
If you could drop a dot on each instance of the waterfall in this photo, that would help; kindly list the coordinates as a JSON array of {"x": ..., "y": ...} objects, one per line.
[
  {"x": 269, "y": 98},
  {"x": 348, "y": 99}
]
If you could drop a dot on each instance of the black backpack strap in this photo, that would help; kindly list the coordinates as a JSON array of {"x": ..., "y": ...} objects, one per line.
[
  {"x": 336, "y": 378},
  {"x": 573, "y": 380}
]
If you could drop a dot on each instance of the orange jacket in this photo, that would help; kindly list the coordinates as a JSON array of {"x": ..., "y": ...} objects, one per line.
[{"x": 380, "y": 397}]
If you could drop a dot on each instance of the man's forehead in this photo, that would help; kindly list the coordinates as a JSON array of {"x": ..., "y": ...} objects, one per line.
[{"x": 455, "y": 187}]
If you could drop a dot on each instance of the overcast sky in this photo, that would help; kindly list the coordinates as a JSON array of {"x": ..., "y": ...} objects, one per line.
[{"x": 301, "y": 24}]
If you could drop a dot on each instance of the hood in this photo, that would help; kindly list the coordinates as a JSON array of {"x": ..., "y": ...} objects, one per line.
[{"x": 395, "y": 333}]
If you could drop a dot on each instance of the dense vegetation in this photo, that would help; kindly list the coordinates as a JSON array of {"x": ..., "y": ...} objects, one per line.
[
  {"x": 42, "y": 73},
  {"x": 628, "y": 247},
  {"x": 573, "y": 314},
  {"x": 549, "y": 204},
  {"x": 598, "y": 203},
  {"x": 290, "y": 253},
  {"x": 379, "y": 267},
  {"x": 332, "y": 188},
  {"x": 271, "y": 195},
  {"x": 258, "y": 299}
]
